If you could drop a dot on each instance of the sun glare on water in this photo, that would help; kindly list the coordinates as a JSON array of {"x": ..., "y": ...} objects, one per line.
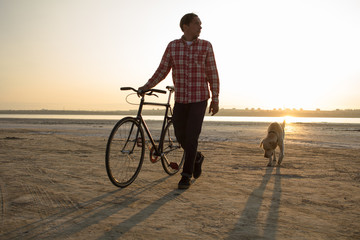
[{"x": 290, "y": 119}]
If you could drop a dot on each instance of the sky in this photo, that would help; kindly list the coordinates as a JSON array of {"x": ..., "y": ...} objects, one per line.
[{"x": 76, "y": 54}]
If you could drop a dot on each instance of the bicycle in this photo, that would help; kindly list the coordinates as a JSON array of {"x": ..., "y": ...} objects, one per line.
[{"x": 125, "y": 148}]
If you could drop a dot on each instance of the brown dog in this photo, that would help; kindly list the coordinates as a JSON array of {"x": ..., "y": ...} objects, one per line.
[{"x": 274, "y": 138}]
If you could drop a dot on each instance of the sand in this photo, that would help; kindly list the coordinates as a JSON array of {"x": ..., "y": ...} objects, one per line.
[{"x": 54, "y": 186}]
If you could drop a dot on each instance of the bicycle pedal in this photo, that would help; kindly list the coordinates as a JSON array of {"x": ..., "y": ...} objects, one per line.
[
  {"x": 139, "y": 142},
  {"x": 174, "y": 165}
]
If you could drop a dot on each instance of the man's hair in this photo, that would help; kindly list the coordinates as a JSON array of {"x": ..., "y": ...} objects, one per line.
[{"x": 186, "y": 19}]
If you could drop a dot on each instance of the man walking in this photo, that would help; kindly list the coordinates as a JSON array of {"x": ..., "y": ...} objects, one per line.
[{"x": 194, "y": 71}]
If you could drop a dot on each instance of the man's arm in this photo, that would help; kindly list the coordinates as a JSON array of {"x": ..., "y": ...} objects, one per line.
[
  {"x": 161, "y": 72},
  {"x": 213, "y": 79}
]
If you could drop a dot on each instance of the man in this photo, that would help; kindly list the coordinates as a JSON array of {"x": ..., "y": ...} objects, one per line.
[{"x": 193, "y": 70}]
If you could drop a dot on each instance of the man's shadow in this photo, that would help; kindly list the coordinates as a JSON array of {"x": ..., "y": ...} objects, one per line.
[
  {"x": 71, "y": 221},
  {"x": 248, "y": 227}
]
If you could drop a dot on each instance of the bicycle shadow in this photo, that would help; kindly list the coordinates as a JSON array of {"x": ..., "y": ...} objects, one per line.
[
  {"x": 247, "y": 226},
  {"x": 125, "y": 226},
  {"x": 73, "y": 220}
]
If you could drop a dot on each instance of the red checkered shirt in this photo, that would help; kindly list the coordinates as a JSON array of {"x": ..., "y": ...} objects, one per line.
[{"x": 193, "y": 71}]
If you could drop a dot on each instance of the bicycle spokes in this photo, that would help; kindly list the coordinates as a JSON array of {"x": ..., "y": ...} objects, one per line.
[
  {"x": 135, "y": 140},
  {"x": 124, "y": 152}
]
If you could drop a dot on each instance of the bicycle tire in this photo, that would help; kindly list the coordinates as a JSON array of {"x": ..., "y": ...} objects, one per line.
[
  {"x": 172, "y": 157},
  {"x": 125, "y": 152}
]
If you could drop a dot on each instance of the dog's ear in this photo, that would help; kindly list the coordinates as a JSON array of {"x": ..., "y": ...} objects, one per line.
[{"x": 261, "y": 143}]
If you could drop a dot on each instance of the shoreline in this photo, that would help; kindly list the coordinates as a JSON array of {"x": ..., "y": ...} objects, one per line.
[
  {"x": 338, "y": 113},
  {"x": 219, "y": 119},
  {"x": 211, "y": 120},
  {"x": 300, "y": 134}
]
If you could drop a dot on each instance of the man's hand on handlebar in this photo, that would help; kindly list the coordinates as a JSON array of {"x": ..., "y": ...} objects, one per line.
[{"x": 142, "y": 90}]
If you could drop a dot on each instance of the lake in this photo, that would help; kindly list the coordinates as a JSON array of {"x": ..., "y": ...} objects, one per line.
[{"x": 207, "y": 118}]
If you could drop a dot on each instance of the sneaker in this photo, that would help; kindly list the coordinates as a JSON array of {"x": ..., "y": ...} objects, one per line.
[
  {"x": 197, "y": 167},
  {"x": 184, "y": 183}
]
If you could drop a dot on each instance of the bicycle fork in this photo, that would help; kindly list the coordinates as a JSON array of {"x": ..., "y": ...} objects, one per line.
[{"x": 136, "y": 141}]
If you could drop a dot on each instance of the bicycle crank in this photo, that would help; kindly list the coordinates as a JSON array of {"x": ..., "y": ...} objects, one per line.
[{"x": 153, "y": 157}]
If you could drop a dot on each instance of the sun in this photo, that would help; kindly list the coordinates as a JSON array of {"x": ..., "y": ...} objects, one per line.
[{"x": 289, "y": 119}]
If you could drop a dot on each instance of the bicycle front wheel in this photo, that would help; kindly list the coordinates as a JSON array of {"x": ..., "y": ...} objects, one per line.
[
  {"x": 125, "y": 152},
  {"x": 172, "y": 157}
]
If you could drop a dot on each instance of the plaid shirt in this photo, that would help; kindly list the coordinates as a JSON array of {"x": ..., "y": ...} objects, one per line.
[{"x": 193, "y": 71}]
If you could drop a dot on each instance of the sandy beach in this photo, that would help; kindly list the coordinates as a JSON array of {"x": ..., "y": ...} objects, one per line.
[{"x": 54, "y": 185}]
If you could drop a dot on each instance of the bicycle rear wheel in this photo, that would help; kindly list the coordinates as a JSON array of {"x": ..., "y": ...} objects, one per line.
[
  {"x": 172, "y": 157},
  {"x": 125, "y": 152}
]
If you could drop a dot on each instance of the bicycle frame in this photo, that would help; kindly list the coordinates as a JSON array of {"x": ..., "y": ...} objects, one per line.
[
  {"x": 127, "y": 142},
  {"x": 165, "y": 121}
]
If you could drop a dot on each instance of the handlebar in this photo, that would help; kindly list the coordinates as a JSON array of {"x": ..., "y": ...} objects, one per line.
[{"x": 147, "y": 92}]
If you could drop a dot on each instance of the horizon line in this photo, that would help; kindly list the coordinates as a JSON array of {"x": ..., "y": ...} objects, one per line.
[{"x": 157, "y": 109}]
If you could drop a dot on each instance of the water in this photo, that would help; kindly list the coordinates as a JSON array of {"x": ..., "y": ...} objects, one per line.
[
  {"x": 318, "y": 132},
  {"x": 207, "y": 118},
  {"x": 281, "y": 119}
]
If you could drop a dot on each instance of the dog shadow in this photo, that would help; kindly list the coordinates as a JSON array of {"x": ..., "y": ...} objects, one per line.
[{"x": 248, "y": 226}]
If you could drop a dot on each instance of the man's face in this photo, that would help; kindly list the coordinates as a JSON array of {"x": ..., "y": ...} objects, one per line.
[{"x": 194, "y": 28}]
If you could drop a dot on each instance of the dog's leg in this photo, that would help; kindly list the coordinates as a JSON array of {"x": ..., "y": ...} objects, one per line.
[
  {"x": 282, "y": 145},
  {"x": 281, "y": 154},
  {"x": 274, "y": 158},
  {"x": 270, "y": 162}
]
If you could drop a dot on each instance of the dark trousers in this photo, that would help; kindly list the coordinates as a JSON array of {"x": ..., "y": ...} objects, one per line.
[{"x": 188, "y": 120}]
